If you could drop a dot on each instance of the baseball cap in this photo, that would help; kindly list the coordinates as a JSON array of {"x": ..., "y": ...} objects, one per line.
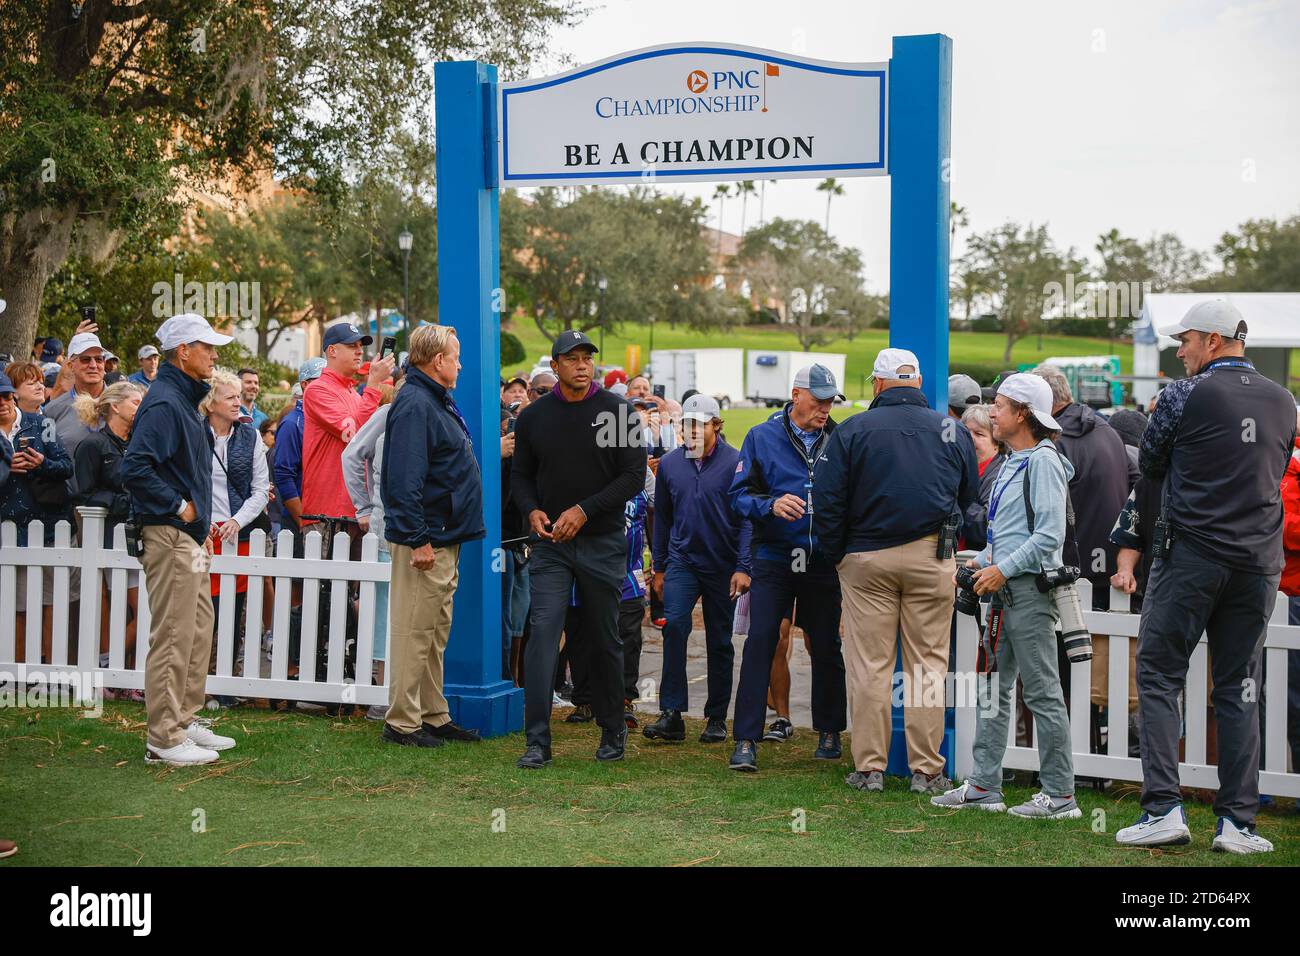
[
  {"x": 614, "y": 376},
  {"x": 84, "y": 343},
  {"x": 889, "y": 361},
  {"x": 1033, "y": 391},
  {"x": 817, "y": 379},
  {"x": 702, "y": 408},
  {"x": 517, "y": 378},
  {"x": 51, "y": 349},
  {"x": 619, "y": 388},
  {"x": 146, "y": 351},
  {"x": 569, "y": 340},
  {"x": 1217, "y": 315},
  {"x": 310, "y": 370},
  {"x": 186, "y": 328},
  {"x": 963, "y": 390},
  {"x": 6, "y": 386},
  {"x": 344, "y": 333}
]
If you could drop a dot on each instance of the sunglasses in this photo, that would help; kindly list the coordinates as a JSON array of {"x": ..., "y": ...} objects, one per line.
[{"x": 91, "y": 359}]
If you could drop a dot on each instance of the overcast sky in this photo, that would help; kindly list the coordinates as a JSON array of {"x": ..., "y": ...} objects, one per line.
[{"x": 1144, "y": 115}]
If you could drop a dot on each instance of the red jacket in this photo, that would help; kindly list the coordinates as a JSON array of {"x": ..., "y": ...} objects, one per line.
[
  {"x": 332, "y": 414},
  {"x": 1291, "y": 524}
]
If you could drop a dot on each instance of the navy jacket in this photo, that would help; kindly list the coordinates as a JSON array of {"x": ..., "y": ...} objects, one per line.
[
  {"x": 287, "y": 475},
  {"x": 774, "y": 462},
  {"x": 16, "y": 501},
  {"x": 169, "y": 457},
  {"x": 430, "y": 483},
  {"x": 891, "y": 475},
  {"x": 694, "y": 521}
]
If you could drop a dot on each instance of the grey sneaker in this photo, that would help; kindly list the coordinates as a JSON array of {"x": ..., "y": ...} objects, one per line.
[
  {"x": 967, "y": 795},
  {"x": 870, "y": 781},
  {"x": 1042, "y": 807},
  {"x": 936, "y": 784},
  {"x": 376, "y": 712}
]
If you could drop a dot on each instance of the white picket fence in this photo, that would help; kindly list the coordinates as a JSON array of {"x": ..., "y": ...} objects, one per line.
[
  {"x": 1115, "y": 764},
  {"x": 258, "y": 678}
]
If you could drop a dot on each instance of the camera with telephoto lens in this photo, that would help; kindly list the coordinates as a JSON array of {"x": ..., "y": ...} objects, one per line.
[
  {"x": 968, "y": 602},
  {"x": 1060, "y": 583}
]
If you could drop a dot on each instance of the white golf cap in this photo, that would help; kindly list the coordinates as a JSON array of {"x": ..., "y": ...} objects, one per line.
[
  {"x": 963, "y": 390},
  {"x": 146, "y": 351},
  {"x": 1217, "y": 315},
  {"x": 1033, "y": 391},
  {"x": 701, "y": 408},
  {"x": 186, "y": 328},
  {"x": 83, "y": 343},
  {"x": 889, "y": 361}
]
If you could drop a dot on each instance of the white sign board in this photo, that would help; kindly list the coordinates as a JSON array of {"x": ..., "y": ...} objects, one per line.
[{"x": 694, "y": 112}]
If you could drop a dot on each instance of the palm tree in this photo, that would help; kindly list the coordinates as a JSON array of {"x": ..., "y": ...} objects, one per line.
[
  {"x": 720, "y": 194},
  {"x": 832, "y": 189},
  {"x": 762, "y": 196},
  {"x": 744, "y": 189}
]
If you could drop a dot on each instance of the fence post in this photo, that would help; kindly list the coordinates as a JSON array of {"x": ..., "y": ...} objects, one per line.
[{"x": 92, "y": 544}]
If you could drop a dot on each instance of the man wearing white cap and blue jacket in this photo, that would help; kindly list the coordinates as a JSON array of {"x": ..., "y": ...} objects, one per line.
[
  {"x": 773, "y": 489},
  {"x": 168, "y": 468},
  {"x": 1219, "y": 442}
]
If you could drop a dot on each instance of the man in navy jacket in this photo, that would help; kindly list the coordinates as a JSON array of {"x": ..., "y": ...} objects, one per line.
[
  {"x": 433, "y": 502},
  {"x": 892, "y": 481},
  {"x": 773, "y": 488},
  {"x": 701, "y": 549},
  {"x": 168, "y": 468}
]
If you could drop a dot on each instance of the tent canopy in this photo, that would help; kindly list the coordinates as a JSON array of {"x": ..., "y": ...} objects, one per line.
[{"x": 1272, "y": 318}]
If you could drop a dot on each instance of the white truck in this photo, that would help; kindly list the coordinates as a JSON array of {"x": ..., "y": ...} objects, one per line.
[
  {"x": 716, "y": 372},
  {"x": 770, "y": 374}
]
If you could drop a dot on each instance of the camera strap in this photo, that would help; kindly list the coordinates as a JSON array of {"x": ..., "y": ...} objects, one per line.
[
  {"x": 986, "y": 661},
  {"x": 1070, "y": 545}
]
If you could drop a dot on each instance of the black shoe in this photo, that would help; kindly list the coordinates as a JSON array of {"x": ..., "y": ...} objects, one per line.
[
  {"x": 744, "y": 758},
  {"x": 715, "y": 731},
  {"x": 535, "y": 757},
  {"x": 828, "y": 746},
  {"x": 669, "y": 726},
  {"x": 612, "y": 745},
  {"x": 450, "y": 731},
  {"x": 581, "y": 715},
  {"x": 417, "y": 738},
  {"x": 780, "y": 730}
]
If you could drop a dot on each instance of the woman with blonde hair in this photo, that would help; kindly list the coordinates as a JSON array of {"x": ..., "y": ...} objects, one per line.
[{"x": 97, "y": 478}]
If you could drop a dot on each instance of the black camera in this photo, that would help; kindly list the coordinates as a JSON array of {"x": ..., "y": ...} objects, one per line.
[
  {"x": 968, "y": 602},
  {"x": 1047, "y": 581}
]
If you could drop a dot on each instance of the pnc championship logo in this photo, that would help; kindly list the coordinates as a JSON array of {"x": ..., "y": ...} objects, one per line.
[{"x": 697, "y": 81}]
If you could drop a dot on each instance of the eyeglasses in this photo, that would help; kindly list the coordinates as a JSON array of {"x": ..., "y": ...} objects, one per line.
[{"x": 91, "y": 359}]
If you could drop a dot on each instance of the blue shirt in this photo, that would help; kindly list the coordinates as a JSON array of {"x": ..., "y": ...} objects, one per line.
[
  {"x": 139, "y": 379},
  {"x": 634, "y": 527},
  {"x": 288, "y": 455}
]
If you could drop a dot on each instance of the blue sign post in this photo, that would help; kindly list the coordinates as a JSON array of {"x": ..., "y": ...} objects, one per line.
[{"x": 920, "y": 86}]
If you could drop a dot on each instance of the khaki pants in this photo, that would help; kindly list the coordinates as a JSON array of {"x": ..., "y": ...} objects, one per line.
[
  {"x": 904, "y": 588},
  {"x": 180, "y": 634},
  {"x": 419, "y": 625}
]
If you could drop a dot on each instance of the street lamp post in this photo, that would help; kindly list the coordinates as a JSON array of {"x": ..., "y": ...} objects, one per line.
[
  {"x": 404, "y": 240},
  {"x": 651, "y": 319},
  {"x": 602, "y": 285}
]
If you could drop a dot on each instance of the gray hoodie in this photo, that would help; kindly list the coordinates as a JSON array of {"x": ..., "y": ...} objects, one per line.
[
  {"x": 1011, "y": 546},
  {"x": 367, "y": 448}
]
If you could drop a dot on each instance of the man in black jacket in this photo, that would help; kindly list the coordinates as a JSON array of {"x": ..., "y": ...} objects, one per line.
[
  {"x": 433, "y": 503},
  {"x": 579, "y": 457},
  {"x": 168, "y": 468}
]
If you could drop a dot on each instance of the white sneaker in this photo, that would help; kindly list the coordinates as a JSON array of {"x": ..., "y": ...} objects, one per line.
[
  {"x": 1168, "y": 830},
  {"x": 1043, "y": 807},
  {"x": 1229, "y": 838},
  {"x": 185, "y": 754},
  {"x": 200, "y": 732}
]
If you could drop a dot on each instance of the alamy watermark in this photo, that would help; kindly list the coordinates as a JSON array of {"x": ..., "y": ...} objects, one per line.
[
  {"x": 53, "y": 687},
  {"x": 211, "y": 300}
]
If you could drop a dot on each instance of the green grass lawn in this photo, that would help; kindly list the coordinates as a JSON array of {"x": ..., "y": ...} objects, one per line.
[
  {"x": 314, "y": 791},
  {"x": 984, "y": 348}
]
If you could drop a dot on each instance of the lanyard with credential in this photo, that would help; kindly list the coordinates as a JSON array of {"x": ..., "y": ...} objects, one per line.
[{"x": 996, "y": 497}]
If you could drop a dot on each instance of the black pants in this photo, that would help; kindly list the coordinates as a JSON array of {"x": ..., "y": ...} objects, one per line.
[
  {"x": 577, "y": 648},
  {"x": 775, "y": 589},
  {"x": 1189, "y": 595},
  {"x": 595, "y": 564},
  {"x": 630, "y": 615}
]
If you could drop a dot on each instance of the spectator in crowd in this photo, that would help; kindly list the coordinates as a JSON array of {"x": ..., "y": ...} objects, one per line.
[
  {"x": 1130, "y": 423},
  {"x": 778, "y": 684},
  {"x": 433, "y": 503},
  {"x": 288, "y": 448},
  {"x": 98, "y": 472},
  {"x": 29, "y": 385},
  {"x": 542, "y": 384},
  {"x": 58, "y": 380},
  {"x": 333, "y": 412},
  {"x": 515, "y": 391},
  {"x": 111, "y": 373},
  {"x": 250, "y": 385},
  {"x": 51, "y": 350},
  {"x": 990, "y": 453},
  {"x": 34, "y": 470},
  {"x": 363, "y": 463},
  {"x": 631, "y": 608},
  {"x": 1290, "y": 586},
  {"x": 148, "y": 358},
  {"x": 638, "y": 386},
  {"x": 615, "y": 376},
  {"x": 168, "y": 469},
  {"x": 963, "y": 393},
  {"x": 894, "y": 482},
  {"x": 672, "y": 412},
  {"x": 1219, "y": 576},
  {"x": 266, "y": 431},
  {"x": 701, "y": 550},
  {"x": 773, "y": 489},
  {"x": 240, "y": 491},
  {"x": 1035, "y": 476},
  {"x": 514, "y": 596},
  {"x": 572, "y": 483},
  {"x": 86, "y": 357}
]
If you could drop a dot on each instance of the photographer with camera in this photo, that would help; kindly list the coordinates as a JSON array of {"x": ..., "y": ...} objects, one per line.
[
  {"x": 1219, "y": 441},
  {"x": 1022, "y": 563}
]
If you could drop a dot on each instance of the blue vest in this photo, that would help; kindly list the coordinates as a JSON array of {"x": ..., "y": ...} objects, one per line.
[{"x": 239, "y": 469}]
